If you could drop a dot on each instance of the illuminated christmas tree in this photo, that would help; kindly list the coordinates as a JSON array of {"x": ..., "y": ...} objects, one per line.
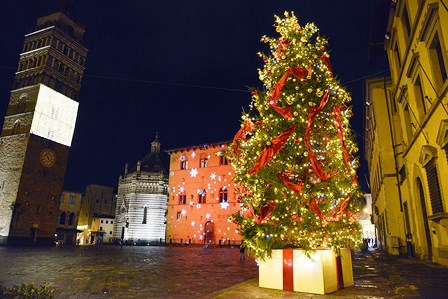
[{"x": 293, "y": 156}]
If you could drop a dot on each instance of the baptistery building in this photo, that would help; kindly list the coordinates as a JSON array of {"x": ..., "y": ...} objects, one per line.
[{"x": 142, "y": 197}]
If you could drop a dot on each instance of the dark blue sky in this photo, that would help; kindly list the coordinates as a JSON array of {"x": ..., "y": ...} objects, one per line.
[{"x": 177, "y": 67}]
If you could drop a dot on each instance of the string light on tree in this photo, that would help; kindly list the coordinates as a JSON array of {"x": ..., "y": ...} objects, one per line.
[{"x": 293, "y": 156}]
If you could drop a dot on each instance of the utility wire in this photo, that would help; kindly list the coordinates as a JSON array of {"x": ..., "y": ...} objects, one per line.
[
  {"x": 165, "y": 83},
  {"x": 194, "y": 85}
]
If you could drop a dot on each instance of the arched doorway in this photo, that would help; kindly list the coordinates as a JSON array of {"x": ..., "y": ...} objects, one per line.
[
  {"x": 208, "y": 232},
  {"x": 421, "y": 195}
]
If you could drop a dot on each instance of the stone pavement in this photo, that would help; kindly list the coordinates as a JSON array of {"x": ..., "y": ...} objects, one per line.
[
  {"x": 196, "y": 272},
  {"x": 126, "y": 272},
  {"x": 376, "y": 275}
]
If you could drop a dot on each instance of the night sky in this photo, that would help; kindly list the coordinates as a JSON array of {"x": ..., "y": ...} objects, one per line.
[{"x": 181, "y": 68}]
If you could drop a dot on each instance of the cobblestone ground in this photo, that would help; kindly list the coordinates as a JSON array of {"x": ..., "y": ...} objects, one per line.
[{"x": 126, "y": 272}]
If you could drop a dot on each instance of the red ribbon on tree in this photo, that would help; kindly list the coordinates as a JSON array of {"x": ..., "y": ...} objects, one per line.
[
  {"x": 245, "y": 129},
  {"x": 295, "y": 71},
  {"x": 324, "y": 57},
  {"x": 337, "y": 214},
  {"x": 265, "y": 211},
  {"x": 296, "y": 188},
  {"x": 270, "y": 151},
  {"x": 316, "y": 209},
  {"x": 338, "y": 125},
  {"x": 312, "y": 113}
]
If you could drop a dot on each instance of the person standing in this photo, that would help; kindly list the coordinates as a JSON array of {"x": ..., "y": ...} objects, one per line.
[{"x": 242, "y": 249}]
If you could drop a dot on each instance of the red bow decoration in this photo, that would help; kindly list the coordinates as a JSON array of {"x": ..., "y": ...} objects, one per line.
[{"x": 270, "y": 151}]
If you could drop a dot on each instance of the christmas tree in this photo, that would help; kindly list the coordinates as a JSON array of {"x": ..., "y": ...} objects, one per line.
[{"x": 293, "y": 156}]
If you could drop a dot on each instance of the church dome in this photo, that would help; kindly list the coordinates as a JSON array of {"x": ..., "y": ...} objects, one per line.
[{"x": 153, "y": 162}]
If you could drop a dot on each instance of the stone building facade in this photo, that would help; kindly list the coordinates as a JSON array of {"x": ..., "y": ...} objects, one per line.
[
  {"x": 142, "y": 200},
  {"x": 69, "y": 211},
  {"x": 201, "y": 196},
  {"x": 98, "y": 202},
  {"x": 38, "y": 130},
  {"x": 407, "y": 121}
]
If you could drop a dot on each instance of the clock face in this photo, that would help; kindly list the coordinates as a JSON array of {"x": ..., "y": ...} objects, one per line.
[{"x": 47, "y": 157}]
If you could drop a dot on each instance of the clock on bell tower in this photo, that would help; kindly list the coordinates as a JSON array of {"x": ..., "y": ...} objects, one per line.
[{"x": 38, "y": 129}]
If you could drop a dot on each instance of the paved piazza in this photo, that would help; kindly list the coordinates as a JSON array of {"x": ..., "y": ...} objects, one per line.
[{"x": 126, "y": 272}]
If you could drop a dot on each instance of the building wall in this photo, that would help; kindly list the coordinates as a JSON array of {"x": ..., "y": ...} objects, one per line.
[
  {"x": 417, "y": 47},
  {"x": 33, "y": 156},
  {"x": 101, "y": 231},
  {"x": 69, "y": 211},
  {"x": 382, "y": 148},
  {"x": 141, "y": 207},
  {"x": 97, "y": 201},
  {"x": 189, "y": 219}
]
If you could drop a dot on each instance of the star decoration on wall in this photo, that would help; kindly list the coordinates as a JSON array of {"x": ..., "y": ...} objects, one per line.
[
  {"x": 224, "y": 205},
  {"x": 213, "y": 176},
  {"x": 184, "y": 212},
  {"x": 192, "y": 223},
  {"x": 207, "y": 216},
  {"x": 194, "y": 172},
  {"x": 198, "y": 206},
  {"x": 181, "y": 190},
  {"x": 193, "y": 155}
]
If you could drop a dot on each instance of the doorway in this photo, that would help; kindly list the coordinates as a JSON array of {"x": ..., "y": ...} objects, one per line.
[{"x": 421, "y": 194}]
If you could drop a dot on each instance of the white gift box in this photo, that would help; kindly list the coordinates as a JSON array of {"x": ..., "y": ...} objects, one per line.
[{"x": 321, "y": 273}]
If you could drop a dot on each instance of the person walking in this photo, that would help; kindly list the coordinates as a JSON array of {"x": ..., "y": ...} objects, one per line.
[{"x": 242, "y": 248}]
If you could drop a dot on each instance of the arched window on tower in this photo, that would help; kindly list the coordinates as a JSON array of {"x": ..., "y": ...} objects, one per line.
[
  {"x": 223, "y": 194},
  {"x": 16, "y": 127}
]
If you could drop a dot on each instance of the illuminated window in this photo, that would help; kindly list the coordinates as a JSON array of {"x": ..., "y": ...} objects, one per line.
[
  {"x": 223, "y": 160},
  {"x": 62, "y": 198},
  {"x": 183, "y": 199},
  {"x": 179, "y": 215},
  {"x": 203, "y": 162},
  {"x": 223, "y": 194},
  {"x": 183, "y": 162},
  {"x": 202, "y": 197},
  {"x": 72, "y": 199}
]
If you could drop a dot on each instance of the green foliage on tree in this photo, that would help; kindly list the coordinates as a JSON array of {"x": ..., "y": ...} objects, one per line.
[{"x": 293, "y": 156}]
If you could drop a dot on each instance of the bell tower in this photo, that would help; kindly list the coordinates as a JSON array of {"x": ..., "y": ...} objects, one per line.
[{"x": 38, "y": 129}]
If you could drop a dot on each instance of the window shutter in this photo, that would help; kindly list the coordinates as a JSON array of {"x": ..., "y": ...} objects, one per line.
[{"x": 434, "y": 187}]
